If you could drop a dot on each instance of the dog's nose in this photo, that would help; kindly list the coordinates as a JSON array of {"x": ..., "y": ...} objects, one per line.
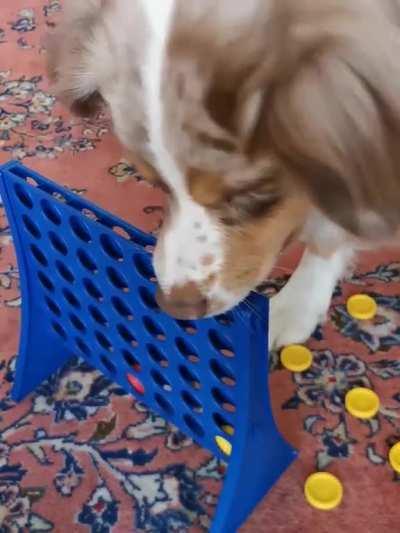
[{"x": 185, "y": 302}]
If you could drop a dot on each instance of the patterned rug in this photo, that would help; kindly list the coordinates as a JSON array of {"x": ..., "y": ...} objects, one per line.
[{"x": 80, "y": 455}]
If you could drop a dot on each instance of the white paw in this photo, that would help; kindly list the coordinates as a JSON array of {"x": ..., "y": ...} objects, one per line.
[
  {"x": 293, "y": 321},
  {"x": 304, "y": 301}
]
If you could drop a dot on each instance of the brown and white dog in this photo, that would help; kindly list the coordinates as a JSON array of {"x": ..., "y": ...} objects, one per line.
[{"x": 262, "y": 119}]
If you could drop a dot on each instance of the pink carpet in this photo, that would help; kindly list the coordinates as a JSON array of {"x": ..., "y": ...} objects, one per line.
[{"x": 80, "y": 456}]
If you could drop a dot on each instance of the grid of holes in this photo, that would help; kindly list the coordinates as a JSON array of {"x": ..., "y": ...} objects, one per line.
[{"x": 191, "y": 384}]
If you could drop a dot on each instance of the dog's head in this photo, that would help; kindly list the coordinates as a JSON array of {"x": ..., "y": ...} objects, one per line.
[{"x": 253, "y": 114}]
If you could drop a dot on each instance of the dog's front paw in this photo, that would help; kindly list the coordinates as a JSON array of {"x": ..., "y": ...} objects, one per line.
[{"x": 293, "y": 321}]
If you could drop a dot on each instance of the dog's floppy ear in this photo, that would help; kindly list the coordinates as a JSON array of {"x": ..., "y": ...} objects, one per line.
[{"x": 333, "y": 118}]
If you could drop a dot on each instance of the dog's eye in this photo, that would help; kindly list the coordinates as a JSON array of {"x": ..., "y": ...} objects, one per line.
[
  {"x": 249, "y": 207},
  {"x": 235, "y": 206},
  {"x": 257, "y": 201}
]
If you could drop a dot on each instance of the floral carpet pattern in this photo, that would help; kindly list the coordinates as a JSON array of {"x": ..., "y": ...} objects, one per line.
[{"x": 80, "y": 455}]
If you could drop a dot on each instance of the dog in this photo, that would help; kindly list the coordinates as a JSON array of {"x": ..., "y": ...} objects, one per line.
[{"x": 263, "y": 121}]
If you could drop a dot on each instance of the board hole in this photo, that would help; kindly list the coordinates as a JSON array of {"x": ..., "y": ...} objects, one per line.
[
  {"x": 122, "y": 308},
  {"x": 31, "y": 181},
  {"x": 117, "y": 279},
  {"x": 83, "y": 347},
  {"x": 157, "y": 356},
  {"x": 188, "y": 326},
  {"x": 136, "y": 384},
  {"x": 50, "y": 212},
  {"x": 88, "y": 213},
  {"x": 77, "y": 323},
  {"x": 223, "y": 400},
  {"x": 223, "y": 424},
  {"x": 143, "y": 267},
  {"x": 194, "y": 426},
  {"x": 221, "y": 344},
  {"x": 80, "y": 229},
  {"x": 131, "y": 361},
  {"x": 154, "y": 329},
  {"x": 192, "y": 402},
  {"x": 150, "y": 248},
  {"x": 31, "y": 227},
  {"x": 19, "y": 171},
  {"x": 39, "y": 255},
  {"x": 224, "y": 375},
  {"x": 189, "y": 377},
  {"x": 224, "y": 445},
  {"x": 164, "y": 404},
  {"x": 148, "y": 299},
  {"x": 98, "y": 316},
  {"x": 226, "y": 319},
  {"x": 121, "y": 232},
  {"x": 86, "y": 261},
  {"x": 187, "y": 350},
  {"x": 108, "y": 365},
  {"x": 71, "y": 299},
  {"x": 140, "y": 238},
  {"x": 59, "y": 330},
  {"x": 111, "y": 247},
  {"x": 23, "y": 196},
  {"x": 59, "y": 197},
  {"x": 65, "y": 272},
  {"x": 103, "y": 341},
  {"x": 92, "y": 290},
  {"x": 126, "y": 335},
  {"x": 161, "y": 381},
  {"x": 57, "y": 243},
  {"x": 53, "y": 307},
  {"x": 45, "y": 281}
]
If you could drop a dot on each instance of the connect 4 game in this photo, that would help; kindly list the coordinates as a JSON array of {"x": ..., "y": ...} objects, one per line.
[{"x": 88, "y": 289}]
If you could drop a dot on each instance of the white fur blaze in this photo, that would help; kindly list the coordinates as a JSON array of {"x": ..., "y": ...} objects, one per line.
[{"x": 190, "y": 247}]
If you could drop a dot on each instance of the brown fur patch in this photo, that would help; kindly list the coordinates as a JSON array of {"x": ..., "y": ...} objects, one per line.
[
  {"x": 253, "y": 249},
  {"x": 331, "y": 112},
  {"x": 309, "y": 87},
  {"x": 185, "y": 301},
  {"x": 235, "y": 205},
  {"x": 205, "y": 189}
]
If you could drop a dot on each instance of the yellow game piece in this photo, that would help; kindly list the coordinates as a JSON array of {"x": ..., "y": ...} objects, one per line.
[
  {"x": 323, "y": 491},
  {"x": 229, "y": 430},
  {"x": 296, "y": 358},
  {"x": 224, "y": 445},
  {"x": 362, "y": 403},
  {"x": 361, "y": 307},
  {"x": 394, "y": 457}
]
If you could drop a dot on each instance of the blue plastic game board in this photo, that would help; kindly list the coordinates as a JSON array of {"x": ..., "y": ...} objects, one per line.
[{"x": 88, "y": 288}]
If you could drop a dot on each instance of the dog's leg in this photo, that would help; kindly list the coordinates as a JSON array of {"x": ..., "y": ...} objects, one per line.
[{"x": 304, "y": 301}]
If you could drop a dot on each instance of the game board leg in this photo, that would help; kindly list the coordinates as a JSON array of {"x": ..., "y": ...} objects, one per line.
[
  {"x": 254, "y": 468},
  {"x": 260, "y": 454},
  {"x": 40, "y": 356},
  {"x": 42, "y": 349}
]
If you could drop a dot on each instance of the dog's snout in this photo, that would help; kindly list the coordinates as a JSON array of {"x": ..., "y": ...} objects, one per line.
[{"x": 183, "y": 302}]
